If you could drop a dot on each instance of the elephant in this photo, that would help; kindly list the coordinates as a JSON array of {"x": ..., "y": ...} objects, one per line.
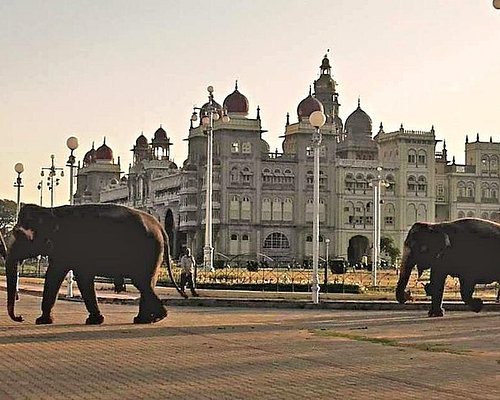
[
  {"x": 467, "y": 248},
  {"x": 92, "y": 240}
]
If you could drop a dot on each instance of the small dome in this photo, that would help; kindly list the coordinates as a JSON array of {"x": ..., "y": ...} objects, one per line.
[
  {"x": 89, "y": 156},
  {"x": 325, "y": 64},
  {"x": 114, "y": 181},
  {"x": 160, "y": 134},
  {"x": 123, "y": 179},
  {"x": 104, "y": 153},
  {"x": 307, "y": 106},
  {"x": 236, "y": 102},
  {"x": 141, "y": 141},
  {"x": 358, "y": 123}
]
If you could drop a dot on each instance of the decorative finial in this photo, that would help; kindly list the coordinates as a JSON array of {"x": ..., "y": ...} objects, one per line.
[
  {"x": 287, "y": 118},
  {"x": 92, "y": 145},
  {"x": 359, "y": 102},
  {"x": 381, "y": 128},
  {"x": 236, "y": 85},
  {"x": 104, "y": 140},
  {"x": 491, "y": 139},
  {"x": 444, "y": 145},
  {"x": 258, "y": 113},
  {"x": 453, "y": 161},
  {"x": 466, "y": 138},
  {"x": 310, "y": 90},
  {"x": 477, "y": 137},
  {"x": 432, "y": 129},
  {"x": 401, "y": 129}
]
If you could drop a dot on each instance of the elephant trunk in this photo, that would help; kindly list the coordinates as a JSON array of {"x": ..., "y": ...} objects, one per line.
[
  {"x": 407, "y": 265},
  {"x": 11, "y": 275}
]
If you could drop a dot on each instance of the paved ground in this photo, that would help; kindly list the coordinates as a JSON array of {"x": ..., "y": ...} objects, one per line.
[{"x": 248, "y": 353}]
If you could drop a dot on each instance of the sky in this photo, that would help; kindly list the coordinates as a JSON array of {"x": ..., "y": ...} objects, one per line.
[{"x": 116, "y": 68}]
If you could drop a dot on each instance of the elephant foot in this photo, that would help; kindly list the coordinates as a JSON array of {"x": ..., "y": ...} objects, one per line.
[
  {"x": 141, "y": 319},
  {"x": 159, "y": 317},
  {"x": 95, "y": 319},
  {"x": 475, "y": 305},
  {"x": 44, "y": 320},
  {"x": 436, "y": 313}
]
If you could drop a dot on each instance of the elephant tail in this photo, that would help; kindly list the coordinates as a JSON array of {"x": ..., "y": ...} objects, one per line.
[{"x": 166, "y": 259}]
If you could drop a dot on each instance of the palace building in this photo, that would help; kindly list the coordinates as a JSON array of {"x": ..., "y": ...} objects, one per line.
[{"x": 263, "y": 200}]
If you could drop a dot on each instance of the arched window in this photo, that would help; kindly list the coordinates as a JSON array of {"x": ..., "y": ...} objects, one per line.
[
  {"x": 461, "y": 189},
  {"x": 348, "y": 213},
  {"x": 389, "y": 215},
  {"x": 422, "y": 184},
  {"x": 276, "y": 240},
  {"x": 288, "y": 210},
  {"x": 234, "y": 207},
  {"x": 412, "y": 156},
  {"x": 322, "y": 210},
  {"x": 277, "y": 210},
  {"x": 246, "y": 208},
  {"x": 266, "y": 209},
  {"x": 349, "y": 182},
  {"x": 470, "y": 214},
  {"x": 422, "y": 157},
  {"x": 461, "y": 214},
  {"x": 411, "y": 214},
  {"x": 422, "y": 213},
  {"x": 392, "y": 184},
  {"x": 309, "y": 210},
  {"x": 245, "y": 244},
  {"x": 309, "y": 177},
  {"x": 412, "y": 184},
  {"x": 484, "y": 215},
  {"x": 246, "y": 147},
  {"x": 470, "y": 189},
  {"x": 233, "y": 244},
  {"x": 234, "y": 176}
]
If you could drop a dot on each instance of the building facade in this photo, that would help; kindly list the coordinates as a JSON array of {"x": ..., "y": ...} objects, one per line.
[{"x": 263, "y": 200}]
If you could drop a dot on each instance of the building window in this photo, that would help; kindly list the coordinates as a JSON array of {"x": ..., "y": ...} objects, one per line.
[
  {"x": 276, "y": 240},
  {"x": 422, "y": 158},
  {"x": 412, "y": 184},
  {"x": 412, "y": 157},
  {"x": 266, "y": 209},
  {"x": 246, "y": 208},
  {"x": 246, "y": 148},
  {"x": 235, "y": 147},
  {"x": 245, "y": 244},
  {"x": 288, "y": 210},
  {"x": 234, "y": 208}
]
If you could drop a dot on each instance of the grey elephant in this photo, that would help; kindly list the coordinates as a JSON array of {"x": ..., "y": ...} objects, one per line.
[
  {"x": 468, "y": 249},
  {"x": 92, "y": 240}
]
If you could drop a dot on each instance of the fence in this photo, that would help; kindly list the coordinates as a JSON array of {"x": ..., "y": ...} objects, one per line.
[{"x": 293, "y": 278}]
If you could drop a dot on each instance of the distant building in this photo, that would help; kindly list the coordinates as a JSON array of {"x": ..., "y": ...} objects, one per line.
[{"x": 263, "y": 200}]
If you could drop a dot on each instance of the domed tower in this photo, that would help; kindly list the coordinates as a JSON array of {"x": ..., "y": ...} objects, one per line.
[
  {"x": 98, "y": 171},
  {"x": 104, "y": 154},
  {"x": 141, "y": 150},
  {"x": 357, "y": 142},
  {"x": 161, "y": 144},
  {"x": 236, "y": 104},
  {"x": 89, "y": 157},
  {"x": 325, "y": 92},
  {"x": 307, "y": 106}
]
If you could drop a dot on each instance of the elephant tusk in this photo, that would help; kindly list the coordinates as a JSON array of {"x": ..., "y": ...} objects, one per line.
[{"x": 29, "y": 233}]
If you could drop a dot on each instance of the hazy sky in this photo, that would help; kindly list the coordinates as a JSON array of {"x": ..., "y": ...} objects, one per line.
[{"x": 115, "y": 68}]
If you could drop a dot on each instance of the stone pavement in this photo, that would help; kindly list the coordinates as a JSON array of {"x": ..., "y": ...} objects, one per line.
[{"x": 248, "y": 353}]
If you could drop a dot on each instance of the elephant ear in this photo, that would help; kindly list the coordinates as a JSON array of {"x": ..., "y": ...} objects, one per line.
[
  {"x": 440, "y": 241},
  {"x": 40, "y": 220}
]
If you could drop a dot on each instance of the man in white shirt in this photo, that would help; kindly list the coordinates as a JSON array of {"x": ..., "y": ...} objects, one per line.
[{"x": 187, "y": 266}]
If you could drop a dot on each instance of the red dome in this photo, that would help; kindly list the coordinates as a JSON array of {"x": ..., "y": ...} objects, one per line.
[
  {"x": 307, "y": 106},
  {"x": 141, "y": 141},
  {"x": 104, "y": 153},
  {"x": 89, "y": 156},
  {"x": 236, "y": 102}
]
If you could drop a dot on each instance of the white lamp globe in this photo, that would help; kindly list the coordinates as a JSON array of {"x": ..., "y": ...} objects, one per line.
[{"x": 317, "y": 119}]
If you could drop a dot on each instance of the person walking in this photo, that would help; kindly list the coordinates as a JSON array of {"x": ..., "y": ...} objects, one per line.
[{"x": 187, "y": 273}]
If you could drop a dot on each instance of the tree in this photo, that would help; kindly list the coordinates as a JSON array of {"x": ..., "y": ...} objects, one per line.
[
  {"x": 8, "y": 209},
  {"x": 387, "y": 246}
]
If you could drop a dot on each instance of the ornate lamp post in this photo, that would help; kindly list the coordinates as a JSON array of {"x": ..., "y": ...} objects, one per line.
[
  {"x": 52, "y": 180},
  {"x": 19, "y": 168},
  {"x": 377, "y": 184},
  {"x": 72, "y": 144},
  {"x": 317, "y": 119},
  {"x": 208, "y": 115}
]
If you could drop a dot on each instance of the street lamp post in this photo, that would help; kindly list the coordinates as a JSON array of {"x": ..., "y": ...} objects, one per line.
[
  {"x": 210, "y": 114},
  {"x": 52, "y": 180},
  {"x": 317, "y": 119},
  {"x": 19, "y": 168},
  {"x": 377, "y": 184},
  {"x": 72, "y": 144}
]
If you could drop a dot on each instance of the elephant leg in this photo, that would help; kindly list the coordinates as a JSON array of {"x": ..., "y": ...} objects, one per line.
[
  {"x": 150, "y": 307},
  {"x": 53, "y": 280},
  {"x": 436, "y": 287},
  {"x": 87, "y": 290},
  {"x": 466, "y": 291}
]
